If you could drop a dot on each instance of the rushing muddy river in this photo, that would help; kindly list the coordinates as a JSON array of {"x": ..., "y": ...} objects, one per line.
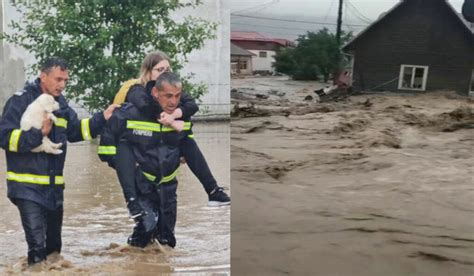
[
  {"x": 368, "y": 185},
  {"x": 96, "y": 225}
]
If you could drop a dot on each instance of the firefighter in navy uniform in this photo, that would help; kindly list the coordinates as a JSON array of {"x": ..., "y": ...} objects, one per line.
[
  {"x": 137, "y": 92},
  {"x": 35, "y": 180},
  {"x": 155, "y": 147}
]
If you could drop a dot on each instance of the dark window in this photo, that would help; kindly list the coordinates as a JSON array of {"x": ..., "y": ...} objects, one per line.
[{"x": 262, "y": 54}]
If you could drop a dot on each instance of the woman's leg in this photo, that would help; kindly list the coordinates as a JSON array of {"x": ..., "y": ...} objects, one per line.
[{"x": 198, "y": 165}]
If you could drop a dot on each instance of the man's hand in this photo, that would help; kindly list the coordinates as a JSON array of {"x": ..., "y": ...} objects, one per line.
[
  {"x": 166, "y": 119},
  {"x": 108, "y": 112},
  {"x": 47, "y": 125}
]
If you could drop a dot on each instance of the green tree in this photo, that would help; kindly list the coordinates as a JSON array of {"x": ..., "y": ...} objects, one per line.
[
  {"x": 315, "y": 54},
  {"x": 105, "y": 41},
  {"x": 284, "y": 61}
]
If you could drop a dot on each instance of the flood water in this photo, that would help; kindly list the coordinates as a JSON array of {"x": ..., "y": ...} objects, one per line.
[
  {"x": 95, "y": 216},
  {"x": 371, "y": 185}
]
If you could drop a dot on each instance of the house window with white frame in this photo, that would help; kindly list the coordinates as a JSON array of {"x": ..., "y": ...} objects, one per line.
[
  {"x": 413, "y": 77},
  {"x": 262, "y": 54}
]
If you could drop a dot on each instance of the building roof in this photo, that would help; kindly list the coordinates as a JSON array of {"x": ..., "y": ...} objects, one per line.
[
  {"x": 254, "y": 36},
  {"x": 237, "y": 51},
  {"x": 467, "y": 25}
]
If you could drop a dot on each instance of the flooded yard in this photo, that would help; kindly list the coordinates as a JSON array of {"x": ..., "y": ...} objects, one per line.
[{"x": 96, "y": 224}]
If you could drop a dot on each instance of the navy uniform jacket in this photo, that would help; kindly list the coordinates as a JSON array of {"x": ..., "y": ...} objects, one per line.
[
  {"x": 39, "y": 176},
  {"x": 155, "y": 146}
]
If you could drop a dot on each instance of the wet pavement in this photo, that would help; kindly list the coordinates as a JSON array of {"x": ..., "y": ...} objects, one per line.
[{"x": 96, "y": 225}]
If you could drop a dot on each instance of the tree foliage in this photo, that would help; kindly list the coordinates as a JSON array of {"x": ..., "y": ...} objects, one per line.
[
  {"x": 315, "y": 54},
  {"x": 105, "y": 41}
]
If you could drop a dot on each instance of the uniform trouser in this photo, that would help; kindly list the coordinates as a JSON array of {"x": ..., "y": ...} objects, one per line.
[
  {"x": 160, "y": 220},
  {"x": 168, "y": 212},
  {"x": 125, "y": 165},
  {"x": 146, "y": 225},
  {"x": 42, "y": 229}
]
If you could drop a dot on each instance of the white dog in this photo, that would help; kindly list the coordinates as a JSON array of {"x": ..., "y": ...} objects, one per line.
[{"x": 33, "y": 117}]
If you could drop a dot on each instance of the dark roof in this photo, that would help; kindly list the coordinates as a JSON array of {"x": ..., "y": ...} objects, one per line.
[
  {"x": 467, "y": 25},
  {"x": 237, "y": 51}
]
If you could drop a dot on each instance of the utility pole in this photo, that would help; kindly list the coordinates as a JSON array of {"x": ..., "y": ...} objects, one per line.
[
  {"x": 338, "y": 43},
  {"x": 339, "y": 23}
]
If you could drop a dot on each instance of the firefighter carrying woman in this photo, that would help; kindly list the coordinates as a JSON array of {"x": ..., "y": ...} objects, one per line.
[{"x": 145, "y": 141}]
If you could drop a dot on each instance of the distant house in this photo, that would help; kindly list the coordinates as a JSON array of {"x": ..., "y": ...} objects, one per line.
[
  {"x": 263, "y": 47},
  {"x": 240, "y": 60},
  {"x": 416, "y": 46}
]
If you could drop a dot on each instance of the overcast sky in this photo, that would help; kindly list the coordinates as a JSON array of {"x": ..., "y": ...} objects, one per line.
[
  {"x": 368, "y": 8},
  {"x": 252, "y": 15}
]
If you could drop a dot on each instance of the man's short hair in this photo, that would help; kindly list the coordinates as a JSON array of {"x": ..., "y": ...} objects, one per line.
[
  {"x": 168, "y": 77},
  {"x": 52, "y": 62}
]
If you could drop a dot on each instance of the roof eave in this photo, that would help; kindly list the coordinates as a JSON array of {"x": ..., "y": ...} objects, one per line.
[{"x": 344, "y": 48}]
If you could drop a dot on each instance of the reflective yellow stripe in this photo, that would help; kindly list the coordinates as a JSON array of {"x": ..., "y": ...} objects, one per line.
[
  {"x": 107, "y": 150},
  {"x": 34, "y": 178},
  {"x": 169, "y": 177},
  {"x": 187, "y": 126},
  {"x": 164, "y": 179},
  {"x": 14, "y": 137},
  {"x": 191, "y": 136},
  {"x": 149, "y": 176},
  {"x": 60, "y": 122},
  {"x": 141, "y": 125},
  {"x": 86, "y": 132},
  {"x": 168, "y": 129}
]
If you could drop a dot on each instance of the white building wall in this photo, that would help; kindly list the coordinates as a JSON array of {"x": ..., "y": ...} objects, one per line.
[
  {"x": 12, "y": 75},
  {"x": 263, "y": 63},
  {"x": 211, "y": 64}
]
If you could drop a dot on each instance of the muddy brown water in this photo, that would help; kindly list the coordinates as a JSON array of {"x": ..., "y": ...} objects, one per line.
[
  {"x": 96, "y": 225},
  {"x": 375, "y": 185}
]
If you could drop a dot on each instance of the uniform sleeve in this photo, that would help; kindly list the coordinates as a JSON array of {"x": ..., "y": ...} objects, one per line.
[
  {"x": 108, "y": 141},
  {"x": 12, "y": 138},
  {"x": 85, "y": 129},
  {"x": 140, "y": 99},
  {"x": 188, "y": 106}
]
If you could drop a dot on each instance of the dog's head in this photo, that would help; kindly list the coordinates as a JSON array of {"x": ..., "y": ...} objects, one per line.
[{"x": 48, "y": 103}]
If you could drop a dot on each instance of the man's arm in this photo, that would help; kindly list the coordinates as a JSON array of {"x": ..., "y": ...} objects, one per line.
[
  {"x": 12, "y": 138},
  {"x": 108, "y": 142},
  {"x": 89, "y": 128}
]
